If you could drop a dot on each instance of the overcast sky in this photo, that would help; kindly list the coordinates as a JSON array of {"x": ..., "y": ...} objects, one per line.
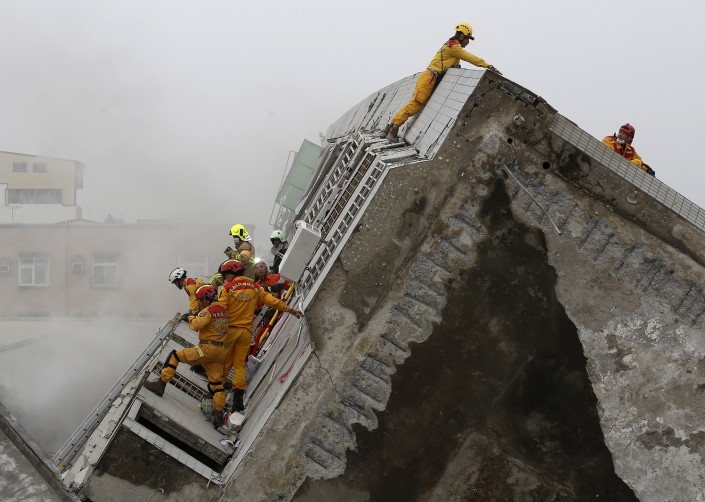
[{"x": 191, "y": 107}]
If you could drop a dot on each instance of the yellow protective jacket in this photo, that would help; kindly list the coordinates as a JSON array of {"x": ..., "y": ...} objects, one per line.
[
  {"x": 241, "y": 296},
  {"x": 245, "y": 253},
  {"x": 190, "y": 286},
  {"x": 216, "y": 280},
  {"x": 625, "y": 150},
  {"x": 450, "y": 55},
  {"x": 211, "y": 323}
]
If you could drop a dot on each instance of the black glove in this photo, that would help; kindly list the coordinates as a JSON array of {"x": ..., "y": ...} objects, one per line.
[
  {"x": 184, "y": 317},
  {"x": 276, "y": 288}
]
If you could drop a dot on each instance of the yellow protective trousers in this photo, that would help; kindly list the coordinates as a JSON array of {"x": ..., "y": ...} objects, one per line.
[
  {"x": 211, "y": 357},
  {"x": 237, "y": 360},
  {"x": 424, "y": 88}
]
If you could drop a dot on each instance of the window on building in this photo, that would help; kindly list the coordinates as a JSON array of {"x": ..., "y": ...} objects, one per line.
[
  {"x": 35, "y": 196},
  {"x": 39, "y": 167},
  {"x": 34, "y": 269},
  {"x": 4, "y": 268},
  {"x": 19, "y": 167},
  {"x": 196, "y": 265},
  {"x": 105, "y": 270}
]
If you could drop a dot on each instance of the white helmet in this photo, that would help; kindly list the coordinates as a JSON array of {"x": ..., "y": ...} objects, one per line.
[
  {"x": 278, "y": 234},
  {"x": 177, "y": 273}
]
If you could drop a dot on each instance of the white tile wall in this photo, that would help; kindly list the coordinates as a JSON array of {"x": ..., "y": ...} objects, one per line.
[
  {"x": 594, "y": 148},
  {"x": 427, "y": 130}
]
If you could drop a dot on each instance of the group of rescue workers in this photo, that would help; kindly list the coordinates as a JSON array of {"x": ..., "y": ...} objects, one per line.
[
  {"x": 449, "y": 56},
  {"x": 222, "y": 311}
]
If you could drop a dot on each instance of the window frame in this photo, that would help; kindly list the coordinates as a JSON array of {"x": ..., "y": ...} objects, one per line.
[
  {"x": 36, "y": 164},
  {"x": 34, "y": 270},
  {"x": 31, "y": 195},
  {"x": 100, "y": 262}
]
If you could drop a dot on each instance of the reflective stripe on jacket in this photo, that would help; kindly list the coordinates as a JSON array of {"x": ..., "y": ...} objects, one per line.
[
  {"x": 190, "y": 287},
  {"x": 245, "y": 254}
]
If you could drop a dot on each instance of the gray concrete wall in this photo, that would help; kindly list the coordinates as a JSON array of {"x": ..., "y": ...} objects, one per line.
[
  {"x": 26, "y": 472},
  {"x": 467, "y": 351}
]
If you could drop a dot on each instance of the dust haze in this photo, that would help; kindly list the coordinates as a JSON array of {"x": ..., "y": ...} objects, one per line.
[{"x": 189, "y": 110}]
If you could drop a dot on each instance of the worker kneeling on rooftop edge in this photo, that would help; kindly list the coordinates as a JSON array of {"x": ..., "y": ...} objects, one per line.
[
  {"x": 212, "y": 349},
  {"x": 621, "y": 143},
  {"x": 448, "y": 56},
  {"x": 240, "y": 297}
]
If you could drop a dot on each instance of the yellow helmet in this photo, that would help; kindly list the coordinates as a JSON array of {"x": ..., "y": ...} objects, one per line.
[
  {"x": 240, "y": 232},
  {"x": 465, "y": 29}
]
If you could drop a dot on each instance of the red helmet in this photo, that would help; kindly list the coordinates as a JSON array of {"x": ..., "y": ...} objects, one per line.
[
  {"x": 206, "y": 291},
  {"x": 232, "y": 266},
  {"x": 628, "y": 130}
]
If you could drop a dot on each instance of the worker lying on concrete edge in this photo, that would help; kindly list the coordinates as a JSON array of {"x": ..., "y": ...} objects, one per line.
[
  {"x": 621, "y": 142},
  {"x": 448, "y": 56},
  {"x": 212, "y": 349},
  {"x": 178, "y": 278},
  {"x": 240, "y": 297}
]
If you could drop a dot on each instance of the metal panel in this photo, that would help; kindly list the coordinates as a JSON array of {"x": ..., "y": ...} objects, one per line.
[{"x": 299, "y": 177}]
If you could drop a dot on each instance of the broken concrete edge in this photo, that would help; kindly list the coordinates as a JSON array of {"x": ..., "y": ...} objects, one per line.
[
  {"x": 34, "y": 453},
  {"x": 579, "y": 169},
  {"x": 130, "y": 470},
  {"x": 354, "y": 404},
  {"x": 626, "y": 199},
  {"x": 309, "y": 457}
]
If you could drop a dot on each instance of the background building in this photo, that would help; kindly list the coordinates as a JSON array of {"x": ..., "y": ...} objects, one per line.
[
  {"x": 86, "y": 269},
  {"x": 38, "y": 189}
]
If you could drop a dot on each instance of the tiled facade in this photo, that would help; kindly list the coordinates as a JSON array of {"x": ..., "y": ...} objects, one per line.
[{"x": 425, "y": 131}]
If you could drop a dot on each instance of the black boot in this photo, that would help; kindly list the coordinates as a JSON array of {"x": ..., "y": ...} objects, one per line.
[
  {"x": 393, "y": 135},
  {"x": 238, "y": 400},
  {"x": 198, "y": 369},
  {"x": 385, "y": 131},
  {"x": 156, "y": 386},
  {"x": 218, "y": 419}
]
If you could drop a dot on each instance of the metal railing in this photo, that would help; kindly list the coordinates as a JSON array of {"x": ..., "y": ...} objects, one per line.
[{"x": 75, "y": 442}]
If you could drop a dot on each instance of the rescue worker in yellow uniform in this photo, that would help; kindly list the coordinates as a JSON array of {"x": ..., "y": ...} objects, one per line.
[
  {"x": 240, "y": 297},
  {"x": 244, "y": 251},
  {"x": 178, "y": 278},
  {"x": 212, "y": 349},
  {"x": 622, "y": 144},
  {"x": 448, "y": 56},
  {"x": 217, "y": 279}
]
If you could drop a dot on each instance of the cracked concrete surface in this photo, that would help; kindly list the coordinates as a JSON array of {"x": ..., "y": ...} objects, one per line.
[{"x": 466, "y": 351}]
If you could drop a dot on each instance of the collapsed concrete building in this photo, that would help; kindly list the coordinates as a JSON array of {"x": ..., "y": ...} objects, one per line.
[{"x": 500, "y": 308}]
